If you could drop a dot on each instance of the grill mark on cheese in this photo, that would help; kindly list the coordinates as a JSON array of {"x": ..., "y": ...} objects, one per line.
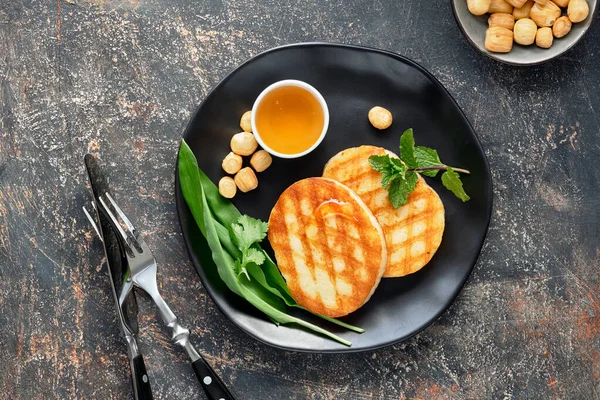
[
  {"x": 324, "y": 238},
  {"x": 343, "y": 164},
  {"x": 362, "y": 275},
  {"x": 297, "y": 271},
  {"x": 325, "y": 275},
  {"x": 425, "y": 239},
  {"x": 417, "y": 225},
  {"x": 324, "y": 248},
  {"x": 307, "y": 251}
]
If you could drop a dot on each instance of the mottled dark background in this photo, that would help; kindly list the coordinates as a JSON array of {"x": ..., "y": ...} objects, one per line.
[{"x": 121, "y": 78}]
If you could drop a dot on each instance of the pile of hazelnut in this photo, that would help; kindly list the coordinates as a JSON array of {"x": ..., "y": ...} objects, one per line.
[
  {"x": 243, "y": 144},
  {"x": 538, "y": 21}
]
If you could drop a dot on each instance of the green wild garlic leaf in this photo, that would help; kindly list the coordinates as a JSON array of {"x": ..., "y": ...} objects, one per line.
[{"x": 215, "y": 216}]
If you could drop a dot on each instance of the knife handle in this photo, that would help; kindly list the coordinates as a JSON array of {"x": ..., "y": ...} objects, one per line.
[
  {"x": 139, "y": 376},
  {"x": 213, "y": 386}
]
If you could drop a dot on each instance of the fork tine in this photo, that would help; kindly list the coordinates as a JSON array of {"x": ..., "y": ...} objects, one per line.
[
  {"x": 122, "y": 215},
  {"x": 114, "y": 220},
  {"x": 89, "y": 217}
]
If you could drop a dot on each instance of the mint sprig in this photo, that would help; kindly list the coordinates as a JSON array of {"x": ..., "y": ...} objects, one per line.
[{"x": 399, "y": 176}]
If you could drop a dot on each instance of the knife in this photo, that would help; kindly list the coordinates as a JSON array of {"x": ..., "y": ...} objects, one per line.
[{"x": 122, "y": 286}]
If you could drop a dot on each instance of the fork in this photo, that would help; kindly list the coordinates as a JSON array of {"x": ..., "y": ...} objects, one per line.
[{"x": 142, "y": 266}]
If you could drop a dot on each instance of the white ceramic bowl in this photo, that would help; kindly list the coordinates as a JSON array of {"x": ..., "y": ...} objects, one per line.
[{"x": 311, "y": 90}]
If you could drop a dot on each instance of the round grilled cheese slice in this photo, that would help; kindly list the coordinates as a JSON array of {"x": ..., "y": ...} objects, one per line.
[
  {"x": 414, "y": 231},
  {"x": 329, "y": 247}
]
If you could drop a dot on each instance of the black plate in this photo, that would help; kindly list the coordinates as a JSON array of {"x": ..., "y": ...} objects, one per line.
[{"x": 352, "y": 80}]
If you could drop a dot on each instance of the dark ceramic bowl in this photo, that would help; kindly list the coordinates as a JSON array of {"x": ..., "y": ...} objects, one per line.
[{"x": 474, "y": 28}]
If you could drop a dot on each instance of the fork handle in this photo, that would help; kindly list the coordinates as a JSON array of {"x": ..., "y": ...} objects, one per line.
[{"x": 213, "y": 386}]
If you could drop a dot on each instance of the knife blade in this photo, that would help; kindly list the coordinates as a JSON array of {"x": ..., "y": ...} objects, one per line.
[{"x": 122, "y": 286}]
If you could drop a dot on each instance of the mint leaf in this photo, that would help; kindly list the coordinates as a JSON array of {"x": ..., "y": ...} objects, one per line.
[
  {"x": 380, "y": 164},
  {"x": 395, "y": 194},
  {"x": 386, "y": 165},
  {"x": 387, "y": 179},
  {"x": 387, "y": 168},
  {"x": 398, "y": 165},
  {"x": 400, "y": 189},
  {"x": 451, "y": 181},
  {"x": 432, "y": 173},
  {"x": 407, "y": 148},
  {"x": 426, "y": 158}
]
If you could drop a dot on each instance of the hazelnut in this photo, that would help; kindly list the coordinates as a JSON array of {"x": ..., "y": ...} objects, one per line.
[
  {"x": 246, "y": 180},
  {"x": 478, "y": 7},
  {"x": 243, "y": 143},
  {"x": 561, "y": 3},
  {"x": 500, "y": 6},
  {"x": 227, "y": 187},
  {"x": 516, "y": 3},
  {"x": 561, "y": 27},
  {"x": 525, "y": 31},
  {"x": 246, "y": 121},
  {"x": 380, "y": 118},
  {"x": 523, "y": 12},
  {"x": 578, "y": 10},
  {"x": 498, "y": 39},
  {"x": 261, "y": 160},
  {"x": 232, "y": 163},
  {"x": 545, "y": 15},
  {"x": 502, "y": 20},
  {"x": 544, "y": 38}
]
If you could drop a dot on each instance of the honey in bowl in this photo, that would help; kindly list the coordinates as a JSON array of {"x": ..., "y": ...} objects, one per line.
[{"x": 289, "y": 119}]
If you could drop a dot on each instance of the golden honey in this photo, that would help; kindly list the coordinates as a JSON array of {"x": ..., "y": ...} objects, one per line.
[{"x": 289, "y": 119}]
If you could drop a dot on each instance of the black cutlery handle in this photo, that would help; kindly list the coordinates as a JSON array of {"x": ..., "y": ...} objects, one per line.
[
  {"x": 213, "y": 386},
  {"x": 141, "y": 382}
]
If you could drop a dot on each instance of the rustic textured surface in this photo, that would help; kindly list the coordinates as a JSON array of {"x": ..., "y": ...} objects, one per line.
[{"x": 121, "y": 77}]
